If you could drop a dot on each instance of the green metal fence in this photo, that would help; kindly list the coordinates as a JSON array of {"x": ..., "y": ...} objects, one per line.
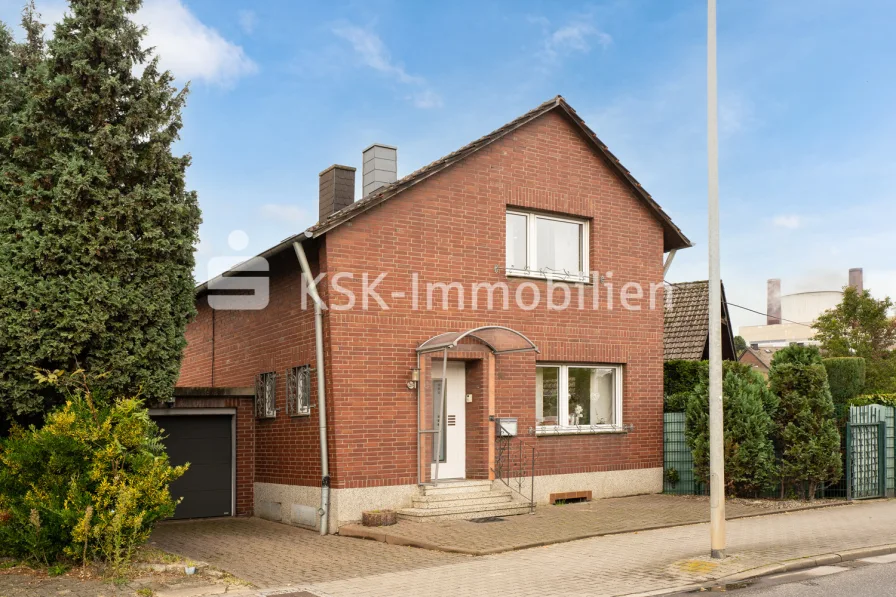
[
  {"x": 868, "y": 448},
  {"x": 870, "y": 452},
  {"x": 678, "y": 464}
]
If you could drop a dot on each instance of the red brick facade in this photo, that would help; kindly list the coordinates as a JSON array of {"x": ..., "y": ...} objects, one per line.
[{"x": 451, "y": 228}]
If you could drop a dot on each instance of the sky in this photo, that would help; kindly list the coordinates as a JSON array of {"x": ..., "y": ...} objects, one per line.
[{"x": 282, "y": 89}]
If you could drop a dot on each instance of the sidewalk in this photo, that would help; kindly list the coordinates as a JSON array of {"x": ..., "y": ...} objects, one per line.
[
  {"x": 276, "y": 557},
  {"x": 635, "y": 563},
  {"x": 558, "y": 524}
]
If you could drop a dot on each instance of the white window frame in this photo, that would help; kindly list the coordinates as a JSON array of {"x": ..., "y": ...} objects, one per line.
[
  {"x": 532, "y": 269},
  {"x": 616, "y": 426}
]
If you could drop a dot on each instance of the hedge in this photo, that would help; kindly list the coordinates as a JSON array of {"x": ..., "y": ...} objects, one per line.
[
  {"x": 846, "y": 376},
  {"x": 866, "y": 399},
  {"x": 680, "y": 378}
]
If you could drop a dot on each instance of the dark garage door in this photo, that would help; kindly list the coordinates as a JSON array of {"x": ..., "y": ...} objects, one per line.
[{"x": 205, "y": 442}]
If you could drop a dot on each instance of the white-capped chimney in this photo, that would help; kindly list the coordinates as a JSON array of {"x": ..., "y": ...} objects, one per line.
[{"x": 380, "y": 167}]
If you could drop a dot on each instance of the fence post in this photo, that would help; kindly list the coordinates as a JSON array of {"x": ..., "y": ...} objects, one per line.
[
  {"x": 848, "y": 462},
  {"x": 882, "y": 457}
]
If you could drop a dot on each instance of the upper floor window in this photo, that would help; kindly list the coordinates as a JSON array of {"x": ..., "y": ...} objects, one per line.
[{"x": 544, "y": 246}]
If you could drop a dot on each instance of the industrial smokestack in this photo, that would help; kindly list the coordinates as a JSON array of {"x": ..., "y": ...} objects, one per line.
[
  {"x": 773, "y": 309},
  {"x": 856, "y": 279}
]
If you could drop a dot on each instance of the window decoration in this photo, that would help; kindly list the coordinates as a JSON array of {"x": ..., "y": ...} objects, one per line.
[
  {"x": 266, "y": 395},
  {"x": 298, "y": 391}
]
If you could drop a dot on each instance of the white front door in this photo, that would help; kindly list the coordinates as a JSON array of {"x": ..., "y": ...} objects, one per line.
[{"x": 453, "y": 462}]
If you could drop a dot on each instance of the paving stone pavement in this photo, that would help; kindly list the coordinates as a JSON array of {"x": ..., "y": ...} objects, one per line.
[
  {"x": 270, "y": 554},
  {"x": 639, "y": 562},
  {"x": 556, "y": 524}
]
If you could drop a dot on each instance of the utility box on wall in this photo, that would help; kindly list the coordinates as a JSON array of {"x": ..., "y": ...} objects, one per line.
[{"x": 505, "y": 427}]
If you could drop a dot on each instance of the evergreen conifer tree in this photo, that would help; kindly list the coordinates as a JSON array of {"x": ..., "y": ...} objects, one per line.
[
  {"x": 96, "y": 225},
  {"x": 749, "y": 451},
  {"x": 806, "y": 426}
]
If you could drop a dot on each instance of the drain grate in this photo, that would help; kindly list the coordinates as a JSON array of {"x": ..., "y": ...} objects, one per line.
[{"x": 487, "y": 519}]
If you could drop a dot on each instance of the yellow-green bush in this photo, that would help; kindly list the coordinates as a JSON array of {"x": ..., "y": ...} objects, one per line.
[{"x": 89, "y": 484}]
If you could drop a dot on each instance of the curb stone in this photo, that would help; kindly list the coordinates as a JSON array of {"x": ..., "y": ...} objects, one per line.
[{"x": 780, "y": 567}]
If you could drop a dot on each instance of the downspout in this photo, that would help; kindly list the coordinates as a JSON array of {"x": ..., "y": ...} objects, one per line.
[{"x": 324, "y": 510}]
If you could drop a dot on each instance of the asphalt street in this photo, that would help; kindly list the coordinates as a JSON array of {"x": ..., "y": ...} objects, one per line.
[{"x": 871, "y": 576}]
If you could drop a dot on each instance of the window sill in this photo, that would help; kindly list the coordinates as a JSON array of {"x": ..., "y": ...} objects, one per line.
[
  {"x": 581, "y": 430},
  {"x": 538, "y": 275}
]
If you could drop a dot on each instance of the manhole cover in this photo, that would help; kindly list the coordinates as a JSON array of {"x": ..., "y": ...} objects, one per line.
[{"x": 488, "y": 519}]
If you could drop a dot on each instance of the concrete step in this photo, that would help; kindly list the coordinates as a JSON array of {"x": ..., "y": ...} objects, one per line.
[
  {"x": 463, "y": 512},
  {"x": 456, "y": 487},
  {"x": 453, "y": 500},
  {"x": 448, "y": 497}
]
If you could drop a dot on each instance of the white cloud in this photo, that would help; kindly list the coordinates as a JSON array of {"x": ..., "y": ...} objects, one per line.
[
  {"x": 427, "y": 99},
  {"x": 575, "y": 37},
  {"x": 185, "y": 46},
  {"x": 374, "y": 54},
  {"x": 283, "y": 213},
  {"x": 791, "y": 222},
  {"x": 248, "y": 20},
  {"x": 189, "y": 48}
]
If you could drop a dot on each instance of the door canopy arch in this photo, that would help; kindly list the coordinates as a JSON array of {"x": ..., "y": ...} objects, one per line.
[{"x": 499, "y": 339}]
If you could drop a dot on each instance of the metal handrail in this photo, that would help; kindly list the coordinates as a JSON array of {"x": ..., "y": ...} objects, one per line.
[{"x": 514, "y": 462}]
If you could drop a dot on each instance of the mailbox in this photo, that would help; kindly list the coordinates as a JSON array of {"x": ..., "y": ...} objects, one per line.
[{"x": 505, "y": 427}]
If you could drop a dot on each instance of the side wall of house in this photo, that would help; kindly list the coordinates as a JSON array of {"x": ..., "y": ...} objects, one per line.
[
  {"x": 228, "y": 348},
  {"x": 451, "y": 228}
]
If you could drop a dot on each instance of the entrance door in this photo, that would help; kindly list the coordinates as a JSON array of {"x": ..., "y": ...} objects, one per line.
[{"x": 453, "y": 452}]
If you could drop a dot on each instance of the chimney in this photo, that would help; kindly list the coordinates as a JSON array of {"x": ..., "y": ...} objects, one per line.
[
  {"x": 337, "y": 189},
  {"x": 856, "y": 279},
  {"x": 773, "y": 309},
  {"x": 380, "y": 167}
]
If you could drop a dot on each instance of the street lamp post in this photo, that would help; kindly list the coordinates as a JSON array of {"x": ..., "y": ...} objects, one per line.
[{"x": 716, "y": 428}]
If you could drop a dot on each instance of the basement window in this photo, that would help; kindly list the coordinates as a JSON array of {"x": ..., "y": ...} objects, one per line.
[
  {"x": 578, "y": 399},
  {"x": 298, "y": 391},
  {"x": 550, "y": 247},
  {"x": 266, "y": 395}
]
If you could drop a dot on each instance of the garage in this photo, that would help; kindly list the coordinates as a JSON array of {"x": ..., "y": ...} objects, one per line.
[{"x": 206, "y": 442}]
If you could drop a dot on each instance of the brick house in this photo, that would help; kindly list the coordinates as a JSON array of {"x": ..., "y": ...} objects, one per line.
[{"x": 570, "y": 398}]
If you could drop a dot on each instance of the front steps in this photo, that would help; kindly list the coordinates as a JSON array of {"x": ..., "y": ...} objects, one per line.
[{"x": 462, "y": 500}]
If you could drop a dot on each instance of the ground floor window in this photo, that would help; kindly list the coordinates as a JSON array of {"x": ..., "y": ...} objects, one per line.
[{"x": 578, "y": 398}]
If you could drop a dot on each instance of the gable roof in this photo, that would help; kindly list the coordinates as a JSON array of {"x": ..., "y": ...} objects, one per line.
[
  {"x": 673, "y": 237},
  {"x": 762, "y": 354},
  {"x": 686, "y": 323}
]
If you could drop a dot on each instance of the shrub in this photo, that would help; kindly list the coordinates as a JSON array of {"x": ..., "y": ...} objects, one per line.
[
  {"x": 681, "y": 378},
  {"x": 806, "y": 428},
  {"x": 866, "y": 399},
  {"x": 846, "y": 377},
  {"x": 89, "y": 484},
  {"x": 749, "y": 451}
]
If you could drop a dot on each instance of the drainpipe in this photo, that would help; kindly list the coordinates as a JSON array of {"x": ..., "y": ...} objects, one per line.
[{"x": 324, "y": 510}]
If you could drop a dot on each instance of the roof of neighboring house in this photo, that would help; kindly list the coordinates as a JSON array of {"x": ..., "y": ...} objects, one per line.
[
  {"x": 763, "y": 355},
  {"x": 673, "y": 237},
  {"x": 686, "y": 323}
]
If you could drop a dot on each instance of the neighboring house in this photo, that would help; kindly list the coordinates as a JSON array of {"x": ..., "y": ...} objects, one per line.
[
  {"x": 539, "y": 198},
  {"x": 790, "y": 317},
  {"x": 686, "y": 323},
  {"x": 760, "y": 359}
]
